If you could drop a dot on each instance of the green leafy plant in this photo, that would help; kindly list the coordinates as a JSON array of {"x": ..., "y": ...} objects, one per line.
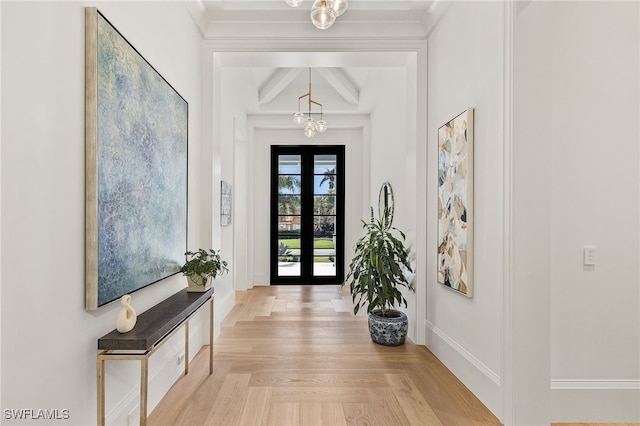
[
  {"x": 284, "y": 253},
  {"x": 204, "y": 264},
  {"x": 377, "y": 270}
]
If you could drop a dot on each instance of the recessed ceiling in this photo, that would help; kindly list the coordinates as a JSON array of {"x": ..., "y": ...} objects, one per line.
[
  {"x": 271, "y": 82},
  {"x": 345, "y": 82}
]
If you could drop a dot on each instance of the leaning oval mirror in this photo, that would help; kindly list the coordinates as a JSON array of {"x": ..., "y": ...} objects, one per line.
[{"x": 385, "y": 204}]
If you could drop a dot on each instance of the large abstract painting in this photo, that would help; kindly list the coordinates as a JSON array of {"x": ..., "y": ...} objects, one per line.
[
  {"x": 136, "y": 168},
  {"x": 455, "y": 203}
]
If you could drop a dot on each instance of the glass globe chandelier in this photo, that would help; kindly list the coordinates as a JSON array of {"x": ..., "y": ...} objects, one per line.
[
  {"x": 322, "y": 16},
  {"x": 310, "y": 128},
  {"x": 323, "y": 12}
]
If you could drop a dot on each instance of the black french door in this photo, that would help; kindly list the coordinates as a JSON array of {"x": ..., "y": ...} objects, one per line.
[{"x": 307, "y": 215}]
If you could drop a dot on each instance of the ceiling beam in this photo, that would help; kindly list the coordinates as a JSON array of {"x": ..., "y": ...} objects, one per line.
[
  {"x": 341, "y": 83},
  {"x": 276, "y": 84}
]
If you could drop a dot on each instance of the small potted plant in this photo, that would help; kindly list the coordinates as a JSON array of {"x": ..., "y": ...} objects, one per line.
[
  {"x": 379, "y": 269},
  {"x": 201, "y": 268}
]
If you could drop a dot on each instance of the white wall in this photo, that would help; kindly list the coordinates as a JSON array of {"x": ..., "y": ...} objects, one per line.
[
  {"x": 49, "y": 340},
  {"x": 531, "y": 220},
  {"x": 394, "y": 160},
  {"x": 389, "y": 141},
  {"x": 219, "y": 143},
  {"x": 232, "y": 124},
  {"x": 575, "y": 342},
  {"x": 465, "y": 70},
  {"x": 580, "y": 139},
  {"x": 575, "y": 348}
]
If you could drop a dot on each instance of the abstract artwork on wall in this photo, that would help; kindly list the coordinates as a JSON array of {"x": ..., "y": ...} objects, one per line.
[
  {"x": 226, "y": 202},
  {"x": 136, "y": 168},
  {"x": 455, "y": 203}
]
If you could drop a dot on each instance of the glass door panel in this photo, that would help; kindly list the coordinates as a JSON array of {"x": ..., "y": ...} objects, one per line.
[
  {"x": 289, "y": 215},
  {"x": 324, "y": 218},
  {"x": 324, "y": 204},
  {"x": 308, "y": 207}
]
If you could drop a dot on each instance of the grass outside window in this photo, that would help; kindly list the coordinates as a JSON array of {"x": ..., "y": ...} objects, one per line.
[{"x": 294, "y": 243}]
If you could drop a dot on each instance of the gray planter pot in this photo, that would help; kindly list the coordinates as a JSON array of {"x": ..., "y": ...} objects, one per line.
[{"x": 388, "y": 331}]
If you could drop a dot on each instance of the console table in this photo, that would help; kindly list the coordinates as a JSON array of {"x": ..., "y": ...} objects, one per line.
[{"x": 152, "y": 328}]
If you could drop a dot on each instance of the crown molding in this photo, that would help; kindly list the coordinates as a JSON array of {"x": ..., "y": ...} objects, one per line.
[
  {"x": 243, "y": 30},
  {"x": 198, "y": 14}
]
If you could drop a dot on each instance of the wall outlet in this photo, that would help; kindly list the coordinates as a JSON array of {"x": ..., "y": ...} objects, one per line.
[{"x": 181, "y": 358}]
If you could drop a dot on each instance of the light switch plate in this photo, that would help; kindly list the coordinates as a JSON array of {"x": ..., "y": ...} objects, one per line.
[{"x": 589, "y": 255}]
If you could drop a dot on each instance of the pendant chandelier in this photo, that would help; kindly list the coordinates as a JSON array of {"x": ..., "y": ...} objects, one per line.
[
  {"x": 310, "y": 127},
  {"x": 323, "y": 12}
]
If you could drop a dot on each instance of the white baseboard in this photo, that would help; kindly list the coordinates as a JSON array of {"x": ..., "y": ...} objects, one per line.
[
  {"x": 594, "y": 384},
  {"x": 572, "y": 401},
  {"x": 595, "y": 401},
  {"x": 223, "y": 305},
  {"x": 480, "y": 379}
]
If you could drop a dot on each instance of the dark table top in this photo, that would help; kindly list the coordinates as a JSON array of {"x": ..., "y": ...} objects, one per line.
[{"x": 154, "y": 324}]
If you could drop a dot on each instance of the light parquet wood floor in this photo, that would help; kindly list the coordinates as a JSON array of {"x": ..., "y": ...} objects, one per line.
[{"x": 295, "y": 355}]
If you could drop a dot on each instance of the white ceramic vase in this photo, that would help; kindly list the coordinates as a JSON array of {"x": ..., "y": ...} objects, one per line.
[{"x": 127, "y": 316}]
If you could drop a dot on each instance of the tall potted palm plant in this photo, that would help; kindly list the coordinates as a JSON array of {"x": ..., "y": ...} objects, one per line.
[{"x": 377, "y": 272}]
